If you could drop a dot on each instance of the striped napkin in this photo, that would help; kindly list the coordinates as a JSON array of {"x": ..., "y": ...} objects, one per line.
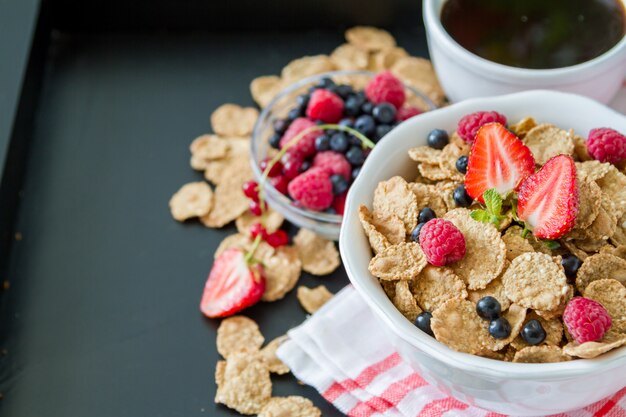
[{"x": 338, "y": 351}]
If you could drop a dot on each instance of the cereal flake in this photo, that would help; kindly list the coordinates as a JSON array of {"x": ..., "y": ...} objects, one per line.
[
  {"x": 436, "y": 285},
  {"x": 370, "y": 38},
  {"x": 318, "y": 255},
  {"x": 233, "y": 120},
  {"x": 398, "y": 262},
  {"x": 194, "y": 199},
  {"x": 238, "y": 334},
  {"x": 394, "y": 196},
  {"x": 246, "y": 384},
  {"x": 600, "y": 266},
  {"x": 612, "y": 295},
  {"x": 268, "y": 353},
  {"x": 404, "y": 301},
  {"x": 292, "y": 406},
  {"x": 541, "y": 354},
  {"x": 546, "y": 141},
  {"x": 312, "y": 299}
]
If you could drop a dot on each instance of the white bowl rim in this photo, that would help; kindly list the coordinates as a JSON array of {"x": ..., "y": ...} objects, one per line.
[
  {"x": 408, "y": 332},
  {"x": 482, "y": 65}
]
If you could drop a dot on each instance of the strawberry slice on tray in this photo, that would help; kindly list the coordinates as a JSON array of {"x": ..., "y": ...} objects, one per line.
[
  {"x": 233, "y": 285},
  {"x": 499, "y": 160},
  {"x": 548, "y": 200}
]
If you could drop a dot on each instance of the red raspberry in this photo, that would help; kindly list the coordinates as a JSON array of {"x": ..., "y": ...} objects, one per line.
[
  {"x": 280, "y": 183},
  {"x": 333, "y": 163},
  {"x": 385, "y": 87},
  {"x": 407, "y": 112},
  {"x": 339, "y": 204},
  {"x": 278, "y": 238},
  {"x": 325, "y": 105},
  {"x": 312, "y": 189},
  {"x": 306, "y": 145},
  {"x": 586, "y": 320},
  {"x": 606, "y": 145},
  {"x": 442, "y": 242},
  {"x": 469, "y": 124},
  {"x": 274, "y": 170}
]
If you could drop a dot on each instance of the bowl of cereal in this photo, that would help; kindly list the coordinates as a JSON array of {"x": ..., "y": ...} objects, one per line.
[
  {"x": 499, "y": 273},
  {"x": 319, "y": 116}
]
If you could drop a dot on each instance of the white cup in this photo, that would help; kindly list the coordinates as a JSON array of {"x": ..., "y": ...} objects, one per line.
[{"x": 465, "y": 75}]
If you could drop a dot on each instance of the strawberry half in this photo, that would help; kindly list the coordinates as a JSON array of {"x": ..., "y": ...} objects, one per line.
[
  {"x": 499, "y": 160},
  {"x": 232, "y": 285},
  {"x": 548, "y": 200}
]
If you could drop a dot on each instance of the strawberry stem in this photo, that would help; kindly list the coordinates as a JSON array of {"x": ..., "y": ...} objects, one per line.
[{"x": 250, "y": 254}]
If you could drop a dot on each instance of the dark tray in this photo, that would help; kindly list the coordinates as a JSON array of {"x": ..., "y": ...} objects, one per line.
[{"x": 100, "y": 312}]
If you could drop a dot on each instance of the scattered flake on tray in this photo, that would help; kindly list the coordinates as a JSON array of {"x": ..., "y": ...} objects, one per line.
[
  {"x": 282, "y": 270},
  {"x": 272, "y": 221},
  {"x": 236, "y": 163},
  {"x": 274, "y": 364},
  {"x": 370, "y": 38},
  {"x": 207, "y": 148},
  {"x": 485, "y": 251},
  {"x": 229, "y": 203},
  {"x": 420, "y": 74},
  {"x": 541, "y": 354},
  {"x": 238, "y": 334},
  {"x": 312, "y": 299},
  {"x": 318, "y": 255},
  {"x": 535, "y": 281},
  {"x": 349, "y": 57},
  {"x": 398, "y": 262},
  {"x": 436, "y": 285},
  {"x": 386, "y": 58},
  {"x": 263, "y": 89},
  {"x": 601, "y": 266},
  {"x": 192, "y": 200},
  {"x": 233, "y": 120},
  {"x": 404, "y": 301},
  {"x": 612, "y": 295},
  {"x": 590, "y": 350},
  {"x": 395, "y": 197},
  {"x": 546, "y": 141},
  {"x": 306, "y": 66},
  {"x": 292, "y": 406}
]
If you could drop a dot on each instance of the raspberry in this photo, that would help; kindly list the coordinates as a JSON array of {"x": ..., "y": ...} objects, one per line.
[
  {"x": 325, "y": 105},
  {"x": 278, "y": 238},
  {"x": 339, "y": 204},
  {"x": 586, "y": 320},
  {"x": 280, "y": 183},
  {"x": 469, "y": 124},
  {"x": 333, "y": 163},
  {"x": 606, "y": 145},
  {"x": 306, "y": 145},
  {"x": 442, "y": 242},
  {"x": 407, "y": 112},
  {"x": 312, "y": 189},
  {"x": 385, "y": 87}
]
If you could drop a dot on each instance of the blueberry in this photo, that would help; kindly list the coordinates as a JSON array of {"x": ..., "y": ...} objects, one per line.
[
  {"x": 344, "y": 91},
  {"x": 340, "y": 184},
  {"x": 422, "y": 322},
  {"x": 339, "y": 142},
  {"x": 325, "y": 82},
  {"x": 438, "y": 138},
  {"x": 352, "y": 106},
  {"x": 306, "y": 165},
  {"x": 355, "y": 172},
  {"x": 354, "y": 141},
  {"x": 330, "y": 210},
  {"x": 461, "y": 164},
  {"x": 274, "y": 141},
  {"x": 280, "y": 125},
  {"x": 533, "y": 332},
  {"x": 461, "y": 198},
  {"x": 384, "y": 113},
  {"x": 295, "y": 113},
  {"x": 500, "y": 328},
  {"x": 426, "y": 214},
  {"x": 571, "y": 264},
  {"x": 322, "y": 143},
  {"x": 415, "y": 233},
  {"x": 347, "y": 122},
  {"x": 367, "y": 107},
  {"x": 303, "y": 100},
  {"x": 488, "y": 308},
  {"x": 365, "y": 124},
  {"x": 382, "y": 130},
  {"x": 355, "y": 155}
]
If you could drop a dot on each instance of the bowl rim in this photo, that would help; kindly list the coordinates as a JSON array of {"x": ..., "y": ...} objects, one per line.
[
  {"x": 433, "y": 24},
  {"x": 405, "y": 330},
  {"x": 273, "y": 193}
]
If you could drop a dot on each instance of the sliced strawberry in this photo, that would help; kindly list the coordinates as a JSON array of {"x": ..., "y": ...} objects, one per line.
[
  {"x": 499, "y": 160},
  {"x": 232, "y": 285},
  {"x": 548, "y": 200}
]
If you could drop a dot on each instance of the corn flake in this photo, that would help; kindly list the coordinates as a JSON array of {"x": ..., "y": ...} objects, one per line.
[
  {"x": 404, "y": 301},
  {"x": 429, "y": 196},
  {"x": 312, "y": 299},
  {"x": 420, "y": 74},
  {"x": 268, "y": 353},
  {"x": 590, "y": 350},
  {"x": 246, "y": 384},
  {"x": 272, "y": 221},
  {"x": 306, "y": 66},
  {"x": 541, "y": 354},
  {"x": 612, "y": 295},
  {"x": 238, "y": 334},
  {"x": 436, "y": 285},
  {"x": 292, "y": 406},
  {"x": 194, "y": 199},
  {"x": 264, "y": 89},
  {"x": 552, "y": 327},
  {"x": 318, "y": 255},
  {"x": 600, "y": 266},
  {"x": 456, "y": 324},
  {"x": 370, "y": 38},
  {"x": 234, "y": 120},
  {"x": 494, "y": 289},
  {"x": 229, "y": 203},
  {"x": 394, "y": 196},
  {"x": 349, "y": 57},
  {"x": 522, "y": 127},
  {"x": 398, "y": 262},
  {"x": 546, "y": 141},
  {"x": 515, "y": 243}
]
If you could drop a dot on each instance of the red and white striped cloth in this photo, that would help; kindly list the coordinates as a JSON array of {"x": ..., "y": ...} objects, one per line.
[{"x": 340, "y": 352}]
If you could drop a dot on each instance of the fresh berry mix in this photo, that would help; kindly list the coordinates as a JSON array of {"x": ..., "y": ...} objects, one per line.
[
  {"x": 586, "y": 320},
  {"x": 468, "y": 126},
  {"x": 606, "y": 145},
  {"x": 442, "y": 242},
  {"x": 349, "y": 122},
  {"x": 510, "y": 247}
]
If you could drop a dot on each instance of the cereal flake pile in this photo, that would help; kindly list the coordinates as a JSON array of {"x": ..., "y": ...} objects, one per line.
[
  {"x": 532, "y": 273},
  {"x": 243, "y": 377}
]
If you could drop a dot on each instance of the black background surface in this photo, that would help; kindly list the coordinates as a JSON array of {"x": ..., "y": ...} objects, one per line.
[{"x": 101, "y": 318}]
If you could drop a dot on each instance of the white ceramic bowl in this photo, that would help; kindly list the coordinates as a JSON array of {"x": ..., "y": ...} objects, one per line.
[
  {"x": 465, "y": 75},
  {"x": 504, "y": 387}
]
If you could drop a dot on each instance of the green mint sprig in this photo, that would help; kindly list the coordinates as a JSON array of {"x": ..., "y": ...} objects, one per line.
[{"x": 493, "y": 208}]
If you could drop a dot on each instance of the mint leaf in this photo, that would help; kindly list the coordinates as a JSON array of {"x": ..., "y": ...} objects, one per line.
[
  {"x": 481, "y": 216},
  {"x": 551, "y": 244},
  {"x": 493, "y": 201}
]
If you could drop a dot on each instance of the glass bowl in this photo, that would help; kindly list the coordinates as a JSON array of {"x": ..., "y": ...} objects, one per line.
[{"x": 324, "y": 224}]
